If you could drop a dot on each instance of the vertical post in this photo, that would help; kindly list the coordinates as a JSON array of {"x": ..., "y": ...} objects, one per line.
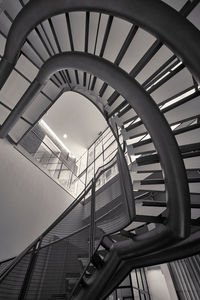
[
  {"x": 92, "y": 219},
  {"x": 131, "y": 286},
  {"x": 59, "y": 172},
  {"x": 28, "y": 275}
]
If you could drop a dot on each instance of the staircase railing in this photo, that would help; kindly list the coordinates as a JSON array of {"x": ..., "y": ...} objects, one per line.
[{"x": 57, "y": 244}]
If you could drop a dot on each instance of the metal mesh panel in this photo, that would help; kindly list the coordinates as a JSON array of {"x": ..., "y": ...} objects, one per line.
[
  {"x": 10, "y": 287},
  {"x": 58, "y": 266},
  {"x": 5, "y": 264},
  {"x": 69, "y": 224},
  {"x": 64, "y": 251}
]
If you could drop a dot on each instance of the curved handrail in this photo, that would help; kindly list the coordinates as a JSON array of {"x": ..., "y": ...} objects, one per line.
[
  {"x": 88, "y": 187},
  {"x": 125, "y": 178},
  {"x": 177, "y": 226},
  {"x": 6, "y": 260},
  {"x": 171, "y": 219},
  {"x": 173, "y": 252},
  {"x": 160, "y": 19},
  {"x": 142, "y": 103}
]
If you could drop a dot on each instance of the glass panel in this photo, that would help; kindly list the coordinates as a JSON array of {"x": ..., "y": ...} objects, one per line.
[
  {"x": 91, "y": 155},
  {"x": 98, "y": 162},
  {"x": 83, "y": 163},
  {"x": 54, "y": 161},
  {"x": 78, "y": 163},
  {"x": 110, "y": 150},
  {"x": 83, "y": 177},
  {"x": 65, "y": 177},
  {"x": 76, "y": 186},
  {"x": 108, "y": 142},
  {"x": 106, "y": 132},
  {"x": 90, "y": 173},
  {"x": 98, "y": 150},
  {"x": 109, "y": 135}
]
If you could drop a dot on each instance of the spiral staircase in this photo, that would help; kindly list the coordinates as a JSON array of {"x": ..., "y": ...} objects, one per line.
[{"x": 138, "y": 62}]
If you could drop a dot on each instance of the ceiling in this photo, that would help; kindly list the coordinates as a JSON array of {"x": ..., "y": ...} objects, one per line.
[{"x": 77, "y": 117}]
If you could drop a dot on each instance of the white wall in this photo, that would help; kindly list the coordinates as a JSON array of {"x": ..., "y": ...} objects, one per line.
[
  {"x": 157, "y": 284},
  {"x": 29, "y": 201},
  {"x": 169, "y": 282}
]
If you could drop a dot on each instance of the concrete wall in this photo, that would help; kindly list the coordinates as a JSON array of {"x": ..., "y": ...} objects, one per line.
[{"x": 29, "y": 201}]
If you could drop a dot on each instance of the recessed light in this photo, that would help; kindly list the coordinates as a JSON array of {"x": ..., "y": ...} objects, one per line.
[{"x": 65, "y": 136}]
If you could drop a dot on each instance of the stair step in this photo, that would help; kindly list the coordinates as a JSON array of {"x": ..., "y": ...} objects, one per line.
[
  {"x": 84, "y": 261},
  {"x": 191, "y": 163},
  {"x": 185, "y": 110},
  {"x": 141, "y": 129},
  {"x": 107, "y": 243},
  {"x": 117, "y": 106},
  {"x": 183, "y": 136},
  {"x": 119, "y": 237},
  {"x": 113, "y": 98},
  {"x": 161, "y": 181},
  {"x": 97, "y": 260},
  {"x": 102, "y": 252},
  {"x": 158, "y": 185},
  {"x": 188, "y": 151},
  {"x": 127, "y": 115}
]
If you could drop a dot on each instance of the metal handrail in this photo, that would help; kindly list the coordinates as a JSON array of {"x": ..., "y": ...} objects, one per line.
[
  {"x": 121, "y": 157},
  {"x": 86, "y": 267},
  {"x": 18, "y": 258},
  {"x": 23, "y": 253},
  {"x": 5, "y": 260},
  {"x": 90, "y": 185}
]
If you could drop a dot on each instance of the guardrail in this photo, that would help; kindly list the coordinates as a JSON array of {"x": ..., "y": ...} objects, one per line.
[{"x": 79, "y": 245}]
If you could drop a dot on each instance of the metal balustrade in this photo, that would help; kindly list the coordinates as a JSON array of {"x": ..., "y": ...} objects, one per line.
[
  {"x": 146, "y": 82},
  {"x": 53, "y": 264}
]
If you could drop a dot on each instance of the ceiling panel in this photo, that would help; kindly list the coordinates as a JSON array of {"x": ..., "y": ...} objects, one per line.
[
  {"x": 13, "y": 89},
  {"x": 51, "y": 90},
  {"x": 4, "y": 112},
  {"x": 94, "y": 17},
  {"x": 26, "y": 67},
  {"x": 159, "y": 59},
  {"x": 2, "y": 44},
  {"x": 77, "y": 20},
  {"x": 138, "y": 47},
  {"x": 12, "y": 7},
  {"x": 176, "y": 84},
  {"x": 118, "y": 33},
  {"x": 194, "y": 16},
  {"x": 19, "y": 130},
  {"x": 102, "y": 29},
  {"x": 178, "y": 4},
  {"x": 5, "y": 24},
  {"x": 60, "y": 27},
  {"x": 36, "y": 108}
]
